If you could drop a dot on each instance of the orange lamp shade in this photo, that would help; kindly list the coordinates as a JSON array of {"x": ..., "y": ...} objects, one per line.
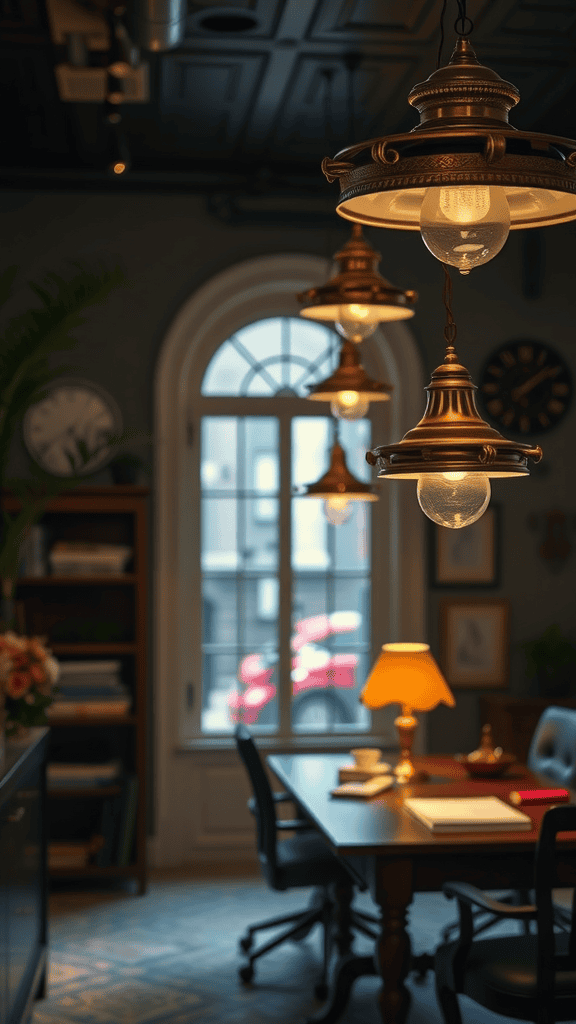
[{"x": 406, "y": 674}]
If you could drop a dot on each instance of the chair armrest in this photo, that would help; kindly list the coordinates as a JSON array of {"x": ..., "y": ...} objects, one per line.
[
  {"x": 294, "y": 825},
  {"x": 279, "y": 798},
  {"x": 472, "y": 896}
]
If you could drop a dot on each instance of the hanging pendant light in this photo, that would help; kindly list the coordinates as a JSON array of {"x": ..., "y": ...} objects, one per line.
[
  {"x": 349, "y": 389},
  {"x": 464, "y": 176},
  {"x": 358, "y": 298},
  {"x": 339, "y": 488},
  {"x": 452, "y": 452}
]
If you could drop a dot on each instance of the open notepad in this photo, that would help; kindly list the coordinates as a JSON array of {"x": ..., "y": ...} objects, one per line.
[{"x": 467, "y": 814}]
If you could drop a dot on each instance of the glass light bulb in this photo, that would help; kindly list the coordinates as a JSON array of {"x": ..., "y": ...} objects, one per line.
[
  {"x": 465, "y": 226},
  {"x": 338, "y": 509},
  {"x": 349, "y": 405},
  {"x": 356, "y": 322},
  {"x": 453, "y": 499}
]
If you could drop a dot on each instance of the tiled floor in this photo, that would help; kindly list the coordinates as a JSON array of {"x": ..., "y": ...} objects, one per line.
[{"x": 171, "y": 957}]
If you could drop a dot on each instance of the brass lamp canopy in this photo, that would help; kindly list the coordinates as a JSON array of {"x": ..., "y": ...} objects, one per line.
[
  {"x": 339, "y": 481},
  {"x": 463, "y": 139},
  {"x": 350, "y": 376},
  {"x": 357, "y": 283},
  {"x": 452, "y": 437}
]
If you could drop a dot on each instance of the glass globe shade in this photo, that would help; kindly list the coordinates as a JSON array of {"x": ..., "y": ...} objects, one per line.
[
  {"x": 349, "y": 405},
  {"x": 338, "y": 509},
  {"x": 356, "y": 322},
  {"x": 453, "y": 499},
  {"x": 465, "y": 226}
]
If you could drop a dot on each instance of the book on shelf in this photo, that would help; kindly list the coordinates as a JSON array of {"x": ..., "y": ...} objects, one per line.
[
  {"x": 73, "y": 854},
  {"x": 90, "y": 673},
  {"x": 68, "y": 707},
  {"x": 127, "y": 820},
  {"x": 74, "y": 557},
  {"x": 467, "y": 814},
  {"x": 67, "y": 775}
]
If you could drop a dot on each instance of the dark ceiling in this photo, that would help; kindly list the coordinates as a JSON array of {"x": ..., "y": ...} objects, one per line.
[{"x": 259, "y": 91}]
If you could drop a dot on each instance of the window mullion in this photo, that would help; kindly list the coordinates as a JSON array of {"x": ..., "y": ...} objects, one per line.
[{"x": 285, "y": 571}]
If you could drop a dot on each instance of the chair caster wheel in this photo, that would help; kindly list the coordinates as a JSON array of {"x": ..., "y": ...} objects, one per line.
[
  {"x": 245, "y": 943},
  {"x": 246, "y": 973},
  {"x": 321, "y": 991}
]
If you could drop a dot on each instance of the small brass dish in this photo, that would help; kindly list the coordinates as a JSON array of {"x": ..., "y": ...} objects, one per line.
[{"x": 486, "y": 769}]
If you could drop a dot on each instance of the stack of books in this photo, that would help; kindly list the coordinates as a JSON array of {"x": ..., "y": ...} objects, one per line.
[
  {"x": 90, "y": 688},
  {"x": 74, "y": 854},
  {"x": 87, "y": 558},
  {"x": 79, "y": 776}
]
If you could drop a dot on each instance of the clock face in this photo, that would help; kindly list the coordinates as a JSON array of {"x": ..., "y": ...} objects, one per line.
[
  {"x": 525, "y": 387},
  {"x": 75, "y": 417}
]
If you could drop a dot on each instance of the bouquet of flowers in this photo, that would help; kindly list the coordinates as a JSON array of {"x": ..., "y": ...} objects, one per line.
[{"x": 28, "y": 673}]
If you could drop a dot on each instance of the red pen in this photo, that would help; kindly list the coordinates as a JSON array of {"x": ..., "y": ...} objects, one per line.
[{"x": 539, "y": 796}]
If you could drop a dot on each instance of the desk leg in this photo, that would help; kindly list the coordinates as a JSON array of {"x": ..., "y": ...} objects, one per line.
[{"x": 393, "y": 893}]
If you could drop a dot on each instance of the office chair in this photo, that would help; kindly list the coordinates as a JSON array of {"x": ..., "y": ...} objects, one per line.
[
  {"x": 301, "y": 861},
  {"x": 529, "y": 977},
  {"x": 552, "y": 755}
]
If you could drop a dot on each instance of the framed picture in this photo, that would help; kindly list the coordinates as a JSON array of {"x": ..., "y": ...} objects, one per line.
[
  {"x": 474, "y": 642},
  {"x": 468, "y": 557}
]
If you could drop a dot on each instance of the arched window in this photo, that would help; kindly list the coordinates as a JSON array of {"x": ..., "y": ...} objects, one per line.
[
  {"x": 261, "y": 441},
  {"x": 255, "y": 591}
]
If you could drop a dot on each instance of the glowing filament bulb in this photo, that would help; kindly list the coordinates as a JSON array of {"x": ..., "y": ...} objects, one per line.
[
  {"x": 465, "y": 226},
  {"x": 453, "y": 499},
  {"x": 337, "y": 509},
  {"x": 349, "y": 405},
  {"x": 356, "y": 321}
]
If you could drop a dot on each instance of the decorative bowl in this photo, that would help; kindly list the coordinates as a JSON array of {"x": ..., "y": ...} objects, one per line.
[{"x": 486, "y": 769}]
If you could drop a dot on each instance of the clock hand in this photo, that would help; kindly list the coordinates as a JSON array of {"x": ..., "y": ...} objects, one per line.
[{"x": 523, "y": 389}]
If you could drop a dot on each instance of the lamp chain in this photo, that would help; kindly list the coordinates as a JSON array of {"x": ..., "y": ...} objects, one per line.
[
  {"x": 463, "y": 25},
  {"x": 450, "y": 329}
]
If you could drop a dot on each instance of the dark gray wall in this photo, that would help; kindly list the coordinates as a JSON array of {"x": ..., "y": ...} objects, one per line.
[{"x": 168, "y": 245}]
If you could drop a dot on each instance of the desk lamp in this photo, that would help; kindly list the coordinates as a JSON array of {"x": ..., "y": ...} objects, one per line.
[{"x": 406, "y": 674}]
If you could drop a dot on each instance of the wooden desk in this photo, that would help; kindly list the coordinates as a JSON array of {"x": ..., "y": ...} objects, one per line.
[{"x": 395, "y": 856}]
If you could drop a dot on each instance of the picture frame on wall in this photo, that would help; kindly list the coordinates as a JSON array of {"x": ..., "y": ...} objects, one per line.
[
  {"x": 467, "y": 558},
  {"x": 475, "y": 642}
]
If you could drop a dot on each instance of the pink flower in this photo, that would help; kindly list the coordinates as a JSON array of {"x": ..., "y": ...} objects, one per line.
[
  {"x": 18, "y": 684},
  {"x": 38, "y": 674}
]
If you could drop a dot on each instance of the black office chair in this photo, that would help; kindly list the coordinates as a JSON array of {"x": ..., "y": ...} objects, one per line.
[
  {"x": 552, "y": 755},
  {"x": 304, "y": 860},
  {"x": 529, "y": 977}
]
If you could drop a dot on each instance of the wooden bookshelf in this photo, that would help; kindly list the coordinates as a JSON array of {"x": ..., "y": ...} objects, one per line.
[{"x": 96, "y": 616}]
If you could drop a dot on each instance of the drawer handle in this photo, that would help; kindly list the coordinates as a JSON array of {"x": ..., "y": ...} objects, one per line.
[{"x": 16, "y": 816}]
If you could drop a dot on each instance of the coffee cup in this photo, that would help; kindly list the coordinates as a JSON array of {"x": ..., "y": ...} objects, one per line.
[{"x": 366, "y": 757}]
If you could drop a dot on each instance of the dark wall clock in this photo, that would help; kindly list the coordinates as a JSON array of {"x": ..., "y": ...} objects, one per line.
[{"x": 525, "y": 387}]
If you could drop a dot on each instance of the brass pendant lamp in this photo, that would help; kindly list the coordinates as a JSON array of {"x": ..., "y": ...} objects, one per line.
[
  {"x": 452, "y": 452},
  {"x": 357, "y": 298},
  {"x": 349, "y": 389},
  {"x": 339, "y": 488},
  {"x": 463, "y": 176}
]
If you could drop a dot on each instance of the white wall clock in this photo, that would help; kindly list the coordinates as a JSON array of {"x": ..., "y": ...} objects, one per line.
[{"x": 74, "y": 413}]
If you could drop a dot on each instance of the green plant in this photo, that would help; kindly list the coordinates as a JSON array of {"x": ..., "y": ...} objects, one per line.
[
  {"x": 550, "y": 658},
  {"x": 30, "y": 339}
]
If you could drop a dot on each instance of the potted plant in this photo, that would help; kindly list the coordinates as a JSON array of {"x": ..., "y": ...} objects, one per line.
[
  {"x": 551, "y": 661},
  {"x": 30, "y": 338}
]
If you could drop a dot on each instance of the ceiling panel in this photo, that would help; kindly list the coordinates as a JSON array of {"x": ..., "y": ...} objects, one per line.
[{"x": 212, "y": 94}]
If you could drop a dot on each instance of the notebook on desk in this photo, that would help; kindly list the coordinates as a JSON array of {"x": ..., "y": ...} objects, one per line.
[{"x": 467, "y": 814}]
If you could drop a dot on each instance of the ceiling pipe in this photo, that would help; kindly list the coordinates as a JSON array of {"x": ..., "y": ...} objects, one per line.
[{"x": 158, "y": 25}]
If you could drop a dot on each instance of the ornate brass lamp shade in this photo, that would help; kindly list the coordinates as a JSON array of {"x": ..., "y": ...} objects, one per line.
[
  {"x": 452, "y": 451},
  {"x": 339, "y": 487},
  {"x": 358, "y": 298},
  {"x": 349, "y": 389},
  {"x": 463, "y": 175},
  {"x": 406, "y": 674}
]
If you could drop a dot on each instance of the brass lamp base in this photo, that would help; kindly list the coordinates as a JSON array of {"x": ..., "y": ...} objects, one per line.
[{"x": 405, "y": 771}]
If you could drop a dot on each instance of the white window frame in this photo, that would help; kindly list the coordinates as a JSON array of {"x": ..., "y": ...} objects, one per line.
[{"x": 249, "y": 291}]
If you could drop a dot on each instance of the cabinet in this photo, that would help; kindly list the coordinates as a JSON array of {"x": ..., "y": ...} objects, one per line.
[
  {"x": 97, "y": 617},
  {"x": 22, "y": 878},
  {"x": 514, "y": 719}
]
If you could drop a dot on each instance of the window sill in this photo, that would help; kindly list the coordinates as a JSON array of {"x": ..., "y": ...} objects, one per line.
[{"x": 290, "y": 744}]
